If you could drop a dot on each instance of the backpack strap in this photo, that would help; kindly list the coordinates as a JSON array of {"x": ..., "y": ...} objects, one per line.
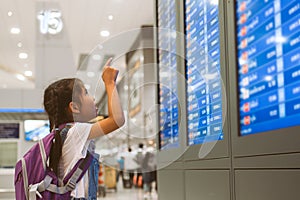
[
  {"x": 74, "y": 176},
  {"x": 43, "y": 154},
  {"x": 71, "y": 179},
  {"x": 80, "y": 168},
  {"x": 25, "y": 177},
  {"x": 64, "y": 131}
]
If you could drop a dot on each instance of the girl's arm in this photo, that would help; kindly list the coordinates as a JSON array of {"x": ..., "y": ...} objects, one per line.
[{"x": 115, "y": 113}]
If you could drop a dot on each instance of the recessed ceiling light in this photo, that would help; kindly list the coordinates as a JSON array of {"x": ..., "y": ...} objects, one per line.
[
  {"x": 9, "y": 13},
  {"x": 104, "y": 33},
  {"x": 20, "y": 77},
  {"x": 110, "y": 17},
  {"x": 96, "y": 57},
  {"x": 15, "y": 30},
  {"x": 90, "y": 74},
  {"x": 20, "y": 44},
  {"x": 28, "y": 73},
  {"x": 23, "y": 55}
]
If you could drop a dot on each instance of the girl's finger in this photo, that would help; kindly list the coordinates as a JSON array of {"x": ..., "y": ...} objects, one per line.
[{"x": 108, "y": 62}]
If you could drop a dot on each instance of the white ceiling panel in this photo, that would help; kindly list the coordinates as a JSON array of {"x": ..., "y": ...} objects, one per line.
[{"x": 83, "y": 21}]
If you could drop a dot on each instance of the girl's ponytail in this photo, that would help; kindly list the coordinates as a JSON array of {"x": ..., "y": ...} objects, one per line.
[
  {"x": 57, "y": 97},
  {"x": 55, "y": 152},
  {"x": 56, "y": 148}
]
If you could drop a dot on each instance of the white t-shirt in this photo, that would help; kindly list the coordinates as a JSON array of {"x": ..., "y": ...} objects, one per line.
[
  {"x": 75, "y": 147},
  {"x": 129, "y": 161}
]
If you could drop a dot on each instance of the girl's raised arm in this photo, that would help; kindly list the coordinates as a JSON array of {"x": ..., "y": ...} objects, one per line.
[{"x": 115, "y": 113}]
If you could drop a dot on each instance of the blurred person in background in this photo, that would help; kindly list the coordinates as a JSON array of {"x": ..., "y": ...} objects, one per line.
[
  {"x": 139, "y": 160},
  {"x": 149, "y": 173},
  {"x": 130, "y": 165}
]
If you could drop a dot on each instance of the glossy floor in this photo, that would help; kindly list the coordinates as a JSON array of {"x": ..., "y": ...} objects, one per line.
[{"x": 128, "y": 194}]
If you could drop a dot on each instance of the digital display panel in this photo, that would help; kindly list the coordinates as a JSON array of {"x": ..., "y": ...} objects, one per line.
[
  {"x": 168, "y": 115},
  {"x": 9, "y": 130},
  {"x": 204, "y": 85},
  {"x": 36, "y": 129},
  {"x": 268, "y": 53}
]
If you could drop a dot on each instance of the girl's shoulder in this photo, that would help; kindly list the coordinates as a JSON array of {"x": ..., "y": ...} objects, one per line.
[
  {"x": 80, "y": 129},
  {"x": 81, "y": 125}
]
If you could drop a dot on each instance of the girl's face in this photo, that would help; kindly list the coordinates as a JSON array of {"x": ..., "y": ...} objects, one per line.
[{"x": 87, "y": 108}]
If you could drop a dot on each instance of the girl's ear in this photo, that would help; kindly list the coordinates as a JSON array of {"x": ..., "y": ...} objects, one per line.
[{"x": 74, "y": 107}]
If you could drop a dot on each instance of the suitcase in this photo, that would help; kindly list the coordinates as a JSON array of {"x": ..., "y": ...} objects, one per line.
[
  {"x": 101, "y": 186},
  {"x": 126, "y": 180},
  {"x": 138, "y": 182},
  {"x": 110, "y": 180}
]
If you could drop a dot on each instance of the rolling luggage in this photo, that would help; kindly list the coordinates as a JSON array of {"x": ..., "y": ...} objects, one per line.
[
  {"x": 126, "y": 180},
  {"x": 110, "y": 180}
]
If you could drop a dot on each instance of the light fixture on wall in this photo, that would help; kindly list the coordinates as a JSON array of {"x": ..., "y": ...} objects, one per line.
[
  {"x": 104, "y": 33},
  {"x": 20, "y": 77},
  {"x": 9, "y": 13},
  {"x": 15, "y": 30},
  {"x": 110, "y": 17},
  {"x": 28, "y": 73},
  {"x": 50, "y": 21},
  {"x": 23, "y": 55}
]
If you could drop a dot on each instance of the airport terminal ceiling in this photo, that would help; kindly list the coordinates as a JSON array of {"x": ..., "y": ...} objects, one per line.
[{"x": 80, "y": 23}]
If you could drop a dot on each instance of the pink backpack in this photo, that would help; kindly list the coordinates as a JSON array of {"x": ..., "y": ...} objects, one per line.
[{"x": 34, "y": 180}]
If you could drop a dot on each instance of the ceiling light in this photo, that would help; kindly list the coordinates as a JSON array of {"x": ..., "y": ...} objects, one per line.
[
  {"x": 9, "y": 13},
  {"x": 96, "y": 57},
  {"x": 15, "y": 30},
  {"x": 26, "y": 65},
  {"x": 90, "y": 74},
  {"x": 23, "y": 55},
  {"x": 110, "y": 17},
  {"x": 104, "y": 33},
  {"x": 28, "y": 73},
  {"x": 20, "y": 44},
  {"x": 20, "y": 77}
]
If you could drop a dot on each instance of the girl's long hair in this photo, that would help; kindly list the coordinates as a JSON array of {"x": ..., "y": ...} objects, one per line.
[{"x": 57, "y": 98}]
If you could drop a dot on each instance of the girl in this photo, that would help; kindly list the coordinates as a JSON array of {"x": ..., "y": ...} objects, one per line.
[{"x": 67, "y": 101}]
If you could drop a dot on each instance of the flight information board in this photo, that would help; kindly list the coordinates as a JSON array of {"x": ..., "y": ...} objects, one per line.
[
  {"x": 9, "y": 130},
  {"x": 168, "y": 118},
  {"x": 268, "y": 50},
  {"x": 204, "y": 85}
]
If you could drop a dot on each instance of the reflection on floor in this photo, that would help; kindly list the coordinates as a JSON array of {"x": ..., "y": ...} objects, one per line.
[{"x": 128, "y": 194}]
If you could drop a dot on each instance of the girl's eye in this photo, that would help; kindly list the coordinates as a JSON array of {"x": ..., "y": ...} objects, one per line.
[{"x": 86, "y": 92}]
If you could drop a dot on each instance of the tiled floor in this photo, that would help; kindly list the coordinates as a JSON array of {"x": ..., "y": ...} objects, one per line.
[{"x": 127, "y": 194}]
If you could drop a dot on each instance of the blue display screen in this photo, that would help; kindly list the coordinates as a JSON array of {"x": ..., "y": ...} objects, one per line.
[
  {"x": 268, "y": 50},
  {"x": 36, "y": 129},
  {"x": 204, "y": 88},
  {"x": 167, "y": 75}
]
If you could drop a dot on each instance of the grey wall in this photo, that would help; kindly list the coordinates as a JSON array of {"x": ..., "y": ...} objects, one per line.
[{"x": 262, "y": 166}]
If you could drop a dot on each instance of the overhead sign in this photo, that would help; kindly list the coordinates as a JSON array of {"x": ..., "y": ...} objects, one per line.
[{"x": 50, "y": 21}]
